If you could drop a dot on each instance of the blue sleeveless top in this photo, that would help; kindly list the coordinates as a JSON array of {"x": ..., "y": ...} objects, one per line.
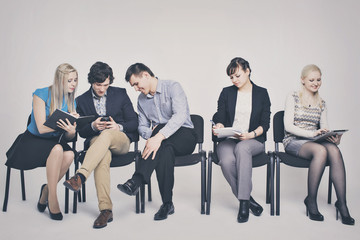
[{"x": 45, "y": 95}]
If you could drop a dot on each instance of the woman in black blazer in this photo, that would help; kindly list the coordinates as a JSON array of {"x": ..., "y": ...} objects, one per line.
[{"x": 246, "y": 108}]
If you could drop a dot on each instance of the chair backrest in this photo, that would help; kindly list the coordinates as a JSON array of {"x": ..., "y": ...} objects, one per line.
[
  {"x": 198, "y": 122},
  {"x": 278, "y": 126},
  {"x": 28, "y": 121}
]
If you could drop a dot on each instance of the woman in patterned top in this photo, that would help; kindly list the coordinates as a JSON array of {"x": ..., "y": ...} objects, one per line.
[
  {"x": 306, "y": 117},
  {"x": 41, "y": 146}
]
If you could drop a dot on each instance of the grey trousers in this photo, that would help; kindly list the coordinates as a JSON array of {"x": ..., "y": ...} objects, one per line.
[{"x": 235, "y": 159}]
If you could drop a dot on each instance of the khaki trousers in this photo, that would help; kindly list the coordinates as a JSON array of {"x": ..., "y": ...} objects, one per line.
[{"x": 98, "y": 159}]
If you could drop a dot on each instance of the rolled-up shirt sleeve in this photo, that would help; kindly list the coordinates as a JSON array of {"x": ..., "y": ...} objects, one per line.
[
  {"x": 144, "y": 128},
  {"x": 180, "y": 110}
]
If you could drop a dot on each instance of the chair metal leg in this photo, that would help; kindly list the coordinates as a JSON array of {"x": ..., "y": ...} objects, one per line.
[
  {"x": 75, "y": 201},
  {"x": 137, "y": 204},
  {"x": 277, "y": 186},
  {"x": 268, "y": 179},
  {"x": 142, "y": 198},
  {"x": 149, "y": 192},
  {"x": 76, "y": 194},
  {"x": 22, "y": 185},
  {"x": 271, "y": 183},
  {"x": 203, "y": 183},
  {"x": 66, "y": 194},
  {"x": 6, "y": 197},
  {"x": 329, "y": 189},
  {"x": 209, "y": 176},
  {"x": 83, "y": 192}
]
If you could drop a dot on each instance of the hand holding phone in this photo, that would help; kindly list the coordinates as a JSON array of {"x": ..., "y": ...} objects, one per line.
[{"x": 105, "y": 119}]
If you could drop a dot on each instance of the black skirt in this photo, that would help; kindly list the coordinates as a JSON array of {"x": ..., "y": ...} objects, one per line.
[{"x": 30, "y": 151}]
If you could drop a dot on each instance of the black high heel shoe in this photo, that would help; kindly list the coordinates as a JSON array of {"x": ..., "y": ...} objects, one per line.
[
  {"x": 313, "y": 216},
  {"x": 41, "y": 207},
  {"x": 55, "y": 216},
  {"x": 345, "y": 220}
]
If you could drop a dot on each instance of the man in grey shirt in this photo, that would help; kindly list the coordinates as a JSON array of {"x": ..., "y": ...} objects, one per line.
[{"x": 164, "y": 121}]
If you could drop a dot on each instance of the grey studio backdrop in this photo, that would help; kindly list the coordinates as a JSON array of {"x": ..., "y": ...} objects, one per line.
[{"x": 191, "y": 42}]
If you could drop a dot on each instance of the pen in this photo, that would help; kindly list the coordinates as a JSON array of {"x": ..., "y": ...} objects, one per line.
[{"x": 212, "y": 122}]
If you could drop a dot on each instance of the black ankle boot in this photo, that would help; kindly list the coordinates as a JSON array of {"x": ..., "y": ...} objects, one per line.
[
  {"x": 243, "y": 215},
  {"x": 255, "y": 208}
]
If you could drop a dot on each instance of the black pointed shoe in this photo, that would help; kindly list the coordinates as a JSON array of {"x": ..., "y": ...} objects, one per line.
[
  {"x": 130, "y": 187},
  {"x": 41, "y": 207},
  {"x": 165, "y": 210},
  {"x": 348, "y": 220},
  {"x": 315, "y": 216},
  {"x": 55, "y": 216},
  {"x": 255, "y": 208},
  {"x": 243, "y": 215}
]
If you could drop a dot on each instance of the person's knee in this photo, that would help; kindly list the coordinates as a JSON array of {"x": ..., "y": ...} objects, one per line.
[
  {"x": 333, "y": 151},
  {"x": 106, "y": 133},
  {"x": 68, "y": 157},
  {"x": 57, "y": 149},
  {"x": 224, "y": 148},
  {"x": 226, "y": 162},
  {"x": 242, "y": 148},
  {"x": 320, "y": 153},
  {"x": 332, "y": 148}
]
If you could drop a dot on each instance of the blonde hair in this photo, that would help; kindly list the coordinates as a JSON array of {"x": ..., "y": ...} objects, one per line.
[
  {"x": 59, "y": 93},
  {"x": 317, "y": 99}
]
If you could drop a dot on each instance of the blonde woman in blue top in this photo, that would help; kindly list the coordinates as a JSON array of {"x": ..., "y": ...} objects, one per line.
[{"x": 42, "y": 146}]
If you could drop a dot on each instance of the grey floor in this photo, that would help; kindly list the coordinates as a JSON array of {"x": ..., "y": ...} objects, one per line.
[{"x": 22, "y": 220}]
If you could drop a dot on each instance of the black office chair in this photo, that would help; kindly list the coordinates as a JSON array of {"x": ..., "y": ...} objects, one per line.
[
  {"x": 279, "y": 133},
  {"x": 258, "y": 161},
  {"x": 22, "y": 178},
  {"x": 116, "y": 161},
  {"x": 192, "y": 159}
]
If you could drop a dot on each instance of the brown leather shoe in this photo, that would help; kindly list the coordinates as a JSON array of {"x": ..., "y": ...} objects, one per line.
[
  {"x": 104, "y": 217},
  {"x": 74, "y": 183}
]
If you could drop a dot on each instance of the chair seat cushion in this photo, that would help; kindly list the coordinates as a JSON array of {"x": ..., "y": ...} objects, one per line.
[
  {"x": 260, "y": 160},
  {"x": 122, "y": 160},
  {"x": 293, "y": 161},
  {"x": 187, "y": 160},
  {"x": 116, "y": 161}
]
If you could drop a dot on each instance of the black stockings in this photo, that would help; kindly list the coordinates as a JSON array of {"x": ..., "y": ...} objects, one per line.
[{"x": 319, "y": 154}]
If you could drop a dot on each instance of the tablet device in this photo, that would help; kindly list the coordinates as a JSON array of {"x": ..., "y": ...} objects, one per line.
[{"x": 323, "y": 136}]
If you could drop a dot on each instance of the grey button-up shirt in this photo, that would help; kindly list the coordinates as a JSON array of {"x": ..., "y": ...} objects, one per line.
[{"x": 168, "y": 106}]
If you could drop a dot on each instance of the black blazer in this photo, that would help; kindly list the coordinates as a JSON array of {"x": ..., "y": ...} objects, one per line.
[
  {"x": 260, "y": 111},
  {"x": 118, "y": 106}
]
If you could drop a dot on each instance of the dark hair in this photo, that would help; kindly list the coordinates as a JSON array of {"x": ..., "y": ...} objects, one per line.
[
  {"x": 235, "y": 64},
  {"x": 99, "y": 72},
  {"x": 136, "y": 69}
]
